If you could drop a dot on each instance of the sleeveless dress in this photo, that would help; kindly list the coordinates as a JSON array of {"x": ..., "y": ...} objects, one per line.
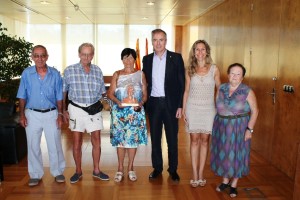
[
  {"x": 200, "y": 106},
  {"x": 127, "y": 127},
  {"x": 230, "y": 154}
]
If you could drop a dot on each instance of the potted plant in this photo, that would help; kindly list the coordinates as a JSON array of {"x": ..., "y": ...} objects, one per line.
[{"x": 14, "y": 58}]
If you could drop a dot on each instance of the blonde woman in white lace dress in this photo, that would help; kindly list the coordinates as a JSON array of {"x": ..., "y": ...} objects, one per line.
[{"x": 199, "y": 106}]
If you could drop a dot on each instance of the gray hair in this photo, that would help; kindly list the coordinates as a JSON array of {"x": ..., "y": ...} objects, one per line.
[
  {"x": 39, "y": 46},
  {"x": 86, "y": 45}
]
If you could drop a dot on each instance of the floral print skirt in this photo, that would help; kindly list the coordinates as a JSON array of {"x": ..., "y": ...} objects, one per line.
[{"x": 128, "y": 128}]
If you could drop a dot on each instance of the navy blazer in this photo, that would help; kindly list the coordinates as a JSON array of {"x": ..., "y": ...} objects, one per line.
[{"x": 174, "y": 78}]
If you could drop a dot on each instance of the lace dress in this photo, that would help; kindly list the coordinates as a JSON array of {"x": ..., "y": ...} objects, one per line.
[
  {"x": 200, "y": 106},
  {"x": 127, "y": 127}
]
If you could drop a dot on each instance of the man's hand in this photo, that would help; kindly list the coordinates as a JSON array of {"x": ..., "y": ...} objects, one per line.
[
  {"x": 66, "y": 116},
  {"x": 59, "y": 120},
  {"x": 23, "y": 120},
  {"x": 178, "y": 113}
]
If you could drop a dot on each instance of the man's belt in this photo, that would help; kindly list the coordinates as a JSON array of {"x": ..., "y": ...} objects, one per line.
[{"x": 42, "y": 111}]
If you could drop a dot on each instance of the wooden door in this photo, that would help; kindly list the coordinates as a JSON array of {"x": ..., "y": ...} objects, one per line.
[
  {"x": 287, "y": 126},
  {"x": 264, "y": 48}
]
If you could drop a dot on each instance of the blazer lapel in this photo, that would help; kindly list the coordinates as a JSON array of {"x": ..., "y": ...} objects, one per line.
[{"x": 168, "y": 64}]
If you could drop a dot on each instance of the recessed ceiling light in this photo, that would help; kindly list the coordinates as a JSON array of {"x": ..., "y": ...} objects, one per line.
[
  {"x": 144, "y": 18},
  {"x": 45, "y": 2},
  {"x": 67, "y": 18},
  {"x": 150, "y": 3}
]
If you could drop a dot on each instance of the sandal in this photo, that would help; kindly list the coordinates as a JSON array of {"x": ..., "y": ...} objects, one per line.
[
  {"x": 202, "y": 182},
  {"x": 118, "y": 177},
  {"x": 194, "y": 183},
  {"x": 222, "y": 187},
  {"x": 233, "y": 192},
  {"x": 132, "y": 175}
]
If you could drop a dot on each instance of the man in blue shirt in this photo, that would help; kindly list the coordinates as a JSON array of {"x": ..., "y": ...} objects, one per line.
[{"x": 40, "y": 95}]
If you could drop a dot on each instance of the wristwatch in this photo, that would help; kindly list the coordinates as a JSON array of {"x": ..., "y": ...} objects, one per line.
[{"x": 251, "y": 130}]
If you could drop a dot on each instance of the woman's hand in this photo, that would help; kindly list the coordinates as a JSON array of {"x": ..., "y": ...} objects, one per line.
[
  {"x": 141, "y": 103},
  {"x": 137, "y": 108},
  {"x": 185, "y": 118},
  {"x": 119, "y": 103},
  {"x": 248, "y": 135}
]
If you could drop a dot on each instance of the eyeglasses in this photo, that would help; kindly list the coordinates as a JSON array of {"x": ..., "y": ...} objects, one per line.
[{"x": 39, "y": 56}]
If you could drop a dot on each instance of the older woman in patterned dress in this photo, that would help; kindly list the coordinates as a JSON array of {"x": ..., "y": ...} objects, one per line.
[{"x": 237, "y": 112}]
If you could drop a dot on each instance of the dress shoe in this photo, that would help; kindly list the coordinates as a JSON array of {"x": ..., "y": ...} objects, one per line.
[
  {"x": 174, "y": 176},
  {"x": 154, "y": 174}
]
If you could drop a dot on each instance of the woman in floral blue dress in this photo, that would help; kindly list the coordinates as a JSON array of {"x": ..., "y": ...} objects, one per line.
[
  {"x": 237, "y": 112},
  {"x": 128, "y": 127}
]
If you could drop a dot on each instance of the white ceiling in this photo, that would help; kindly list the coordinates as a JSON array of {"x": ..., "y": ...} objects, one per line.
[{"x": 170, "y": 12}]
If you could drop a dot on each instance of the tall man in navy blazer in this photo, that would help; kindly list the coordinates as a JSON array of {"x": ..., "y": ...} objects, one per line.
[{"x": 164, "y": 71}]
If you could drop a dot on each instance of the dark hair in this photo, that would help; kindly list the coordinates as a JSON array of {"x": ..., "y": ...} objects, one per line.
[
  {"x": 39, "y": 46},
  {"x": 158, "y": 31},
  {"x": 237, "y": 65},
  {"x": 128, "y": 52}
]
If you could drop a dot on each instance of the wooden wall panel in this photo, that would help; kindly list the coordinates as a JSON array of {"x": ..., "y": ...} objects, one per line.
[
  {"x": 204, "y": 27},
  {"x": 185, "y": 40},
  {"x": 296, "y": 194},
  {"x": 246, "y": 27},
  {"x": 233, "y": 44},
  {"x": 178, "y": 39},
  {"x": 190, "y": 35},
  {"x": 264, "y": 63}
]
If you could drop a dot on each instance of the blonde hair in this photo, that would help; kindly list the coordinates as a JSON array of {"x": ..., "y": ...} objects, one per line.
[{"x": 193, "y": 60}]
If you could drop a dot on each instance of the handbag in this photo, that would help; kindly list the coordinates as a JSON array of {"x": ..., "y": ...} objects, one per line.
[{"x": 92, "y": 109}]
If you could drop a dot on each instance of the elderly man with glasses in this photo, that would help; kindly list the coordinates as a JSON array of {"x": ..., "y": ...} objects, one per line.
[{"x": 40, "y": 95}]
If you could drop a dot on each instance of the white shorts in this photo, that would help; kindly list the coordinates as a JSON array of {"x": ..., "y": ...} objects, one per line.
[{"x": 81, "y": 121}]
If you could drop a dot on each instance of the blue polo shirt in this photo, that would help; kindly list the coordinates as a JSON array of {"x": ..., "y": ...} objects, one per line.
[{"x": 40, "y": 93}]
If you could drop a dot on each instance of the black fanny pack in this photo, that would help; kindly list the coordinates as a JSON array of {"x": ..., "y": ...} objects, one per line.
[{"x": 92, "y": 109}]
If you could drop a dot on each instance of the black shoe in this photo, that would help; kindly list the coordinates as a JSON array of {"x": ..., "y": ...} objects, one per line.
[
  {"x": 154, "y": 174},
  {"x": 233, "y": 192},
  {"x": 222, "y": 187},
  {"x": 174, "y": 176}
]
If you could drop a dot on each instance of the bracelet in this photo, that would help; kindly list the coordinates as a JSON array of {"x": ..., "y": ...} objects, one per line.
[{"x": 61, "y": 114}]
